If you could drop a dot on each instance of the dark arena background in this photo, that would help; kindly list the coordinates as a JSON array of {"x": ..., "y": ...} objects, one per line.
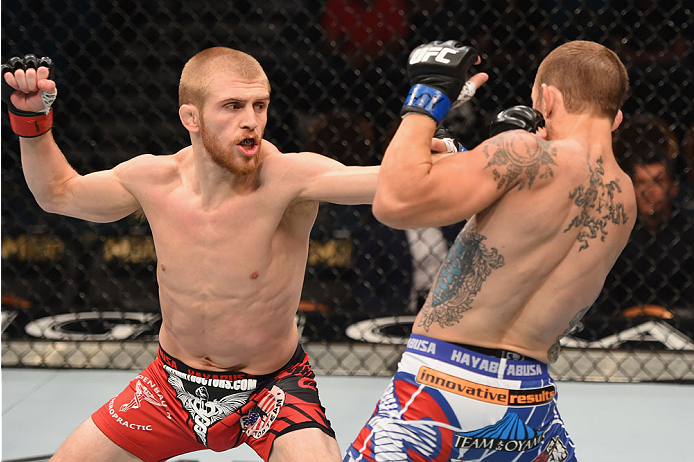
[{"x": 84, "y": 295}]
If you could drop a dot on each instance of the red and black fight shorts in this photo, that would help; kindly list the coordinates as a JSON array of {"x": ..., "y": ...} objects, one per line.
[{"x": 171, "y": 409}]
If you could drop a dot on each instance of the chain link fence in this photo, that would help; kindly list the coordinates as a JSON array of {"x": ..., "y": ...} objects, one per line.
[{"x": 78, "y": 294}]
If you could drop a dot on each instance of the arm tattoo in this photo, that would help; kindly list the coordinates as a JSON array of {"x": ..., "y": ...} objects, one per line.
[
  {"x": 553, "y": 352},
  {"x": 598, "y": 207},
  {"x": 516, "y": 163},
  {"x": 460, "y": 278}
]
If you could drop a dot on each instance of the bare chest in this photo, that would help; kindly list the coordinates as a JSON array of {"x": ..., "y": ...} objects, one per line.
[
  {"x": 181, "y": 219},
  {"x": 229, "y": 242}
]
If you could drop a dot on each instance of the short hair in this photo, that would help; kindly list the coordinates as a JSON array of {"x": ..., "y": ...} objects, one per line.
[
  {"x": 590, "y": 77},
  {"x": 199, "y": 71}
]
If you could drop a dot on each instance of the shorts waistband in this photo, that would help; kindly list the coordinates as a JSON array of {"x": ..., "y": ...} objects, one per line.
[
  {"x": 497, "y": 353},
  {"x": 183, "y": 368},
  {"x": 467, "y": 358}
]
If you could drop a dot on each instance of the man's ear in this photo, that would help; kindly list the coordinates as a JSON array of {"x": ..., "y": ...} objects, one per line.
[
  {"x": 190, "y": 117},
  {"x": 617, "y": 120},
  {"x": 549, "y": 95}
]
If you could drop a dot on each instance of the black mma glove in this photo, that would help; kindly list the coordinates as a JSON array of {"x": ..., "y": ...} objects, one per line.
[
  {"x": 452, "y": 145},
  {"x": 517, "y": 118},
  {"x": 437, "y": 72},
  {"x": 28, "y": 124}
]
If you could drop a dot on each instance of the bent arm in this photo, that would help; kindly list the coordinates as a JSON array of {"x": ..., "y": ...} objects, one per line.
[
  {"x": 58, "y": 188},
  {"x": 415, "y": 192}
]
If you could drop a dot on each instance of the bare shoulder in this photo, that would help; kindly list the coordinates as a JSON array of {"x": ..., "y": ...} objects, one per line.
[
  {"x": 300, "y": 165},
  {"x": 519, "y": 159},
  {"x": 288, "y": 167},
  {"x": 290, "y": 158},
  {"x": 284, "y": 173},
  {"x": 572, "y": 160},
  {"x": 271, "y": 157},
  {"x": 151, "y": 168}
]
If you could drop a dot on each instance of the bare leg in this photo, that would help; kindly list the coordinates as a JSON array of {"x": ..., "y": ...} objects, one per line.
[
  {"x": 88, "y": 443},
  {"x": 306, "y": 444}
]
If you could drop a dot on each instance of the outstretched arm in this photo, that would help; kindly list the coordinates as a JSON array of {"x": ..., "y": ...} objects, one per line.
[
  {"x": 327, "y": 180},
  {"x": 57, "y": 187}
]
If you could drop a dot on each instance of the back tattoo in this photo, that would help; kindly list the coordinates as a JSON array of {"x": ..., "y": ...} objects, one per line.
[
  {"x": 468, "y": 264},
  {"x": 519, "y": 164},
  {"x": 598, "y": 206}
]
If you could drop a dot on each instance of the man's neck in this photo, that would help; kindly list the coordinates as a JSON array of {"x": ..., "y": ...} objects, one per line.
[
  {"x": 582, "y": 128},
  {"x": 215, "y": 183}
]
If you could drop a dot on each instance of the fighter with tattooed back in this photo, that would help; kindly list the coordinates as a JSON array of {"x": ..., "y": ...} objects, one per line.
[{"x": 548, "y": 211}]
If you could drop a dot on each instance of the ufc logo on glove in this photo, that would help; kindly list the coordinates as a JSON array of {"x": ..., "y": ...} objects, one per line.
[
  {"x": 437, "y": 72},
  {"x": 424, "y": 53}
]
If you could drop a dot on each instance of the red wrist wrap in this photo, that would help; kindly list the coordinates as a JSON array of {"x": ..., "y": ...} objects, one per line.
[{"x": 29, "y": 127}]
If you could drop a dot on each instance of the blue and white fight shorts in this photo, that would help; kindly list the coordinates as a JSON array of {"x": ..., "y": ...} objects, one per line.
[{"x": 449, "y": 403}]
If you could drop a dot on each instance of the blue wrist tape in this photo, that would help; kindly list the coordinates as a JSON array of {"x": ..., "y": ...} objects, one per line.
[{"x": 430, "y": 100}]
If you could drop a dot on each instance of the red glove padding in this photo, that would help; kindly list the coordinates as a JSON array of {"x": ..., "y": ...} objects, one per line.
[{"x": 28, "y": 124}]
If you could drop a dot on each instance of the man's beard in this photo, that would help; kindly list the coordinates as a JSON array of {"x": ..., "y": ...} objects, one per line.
[{"x": 226, "y": 157}]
